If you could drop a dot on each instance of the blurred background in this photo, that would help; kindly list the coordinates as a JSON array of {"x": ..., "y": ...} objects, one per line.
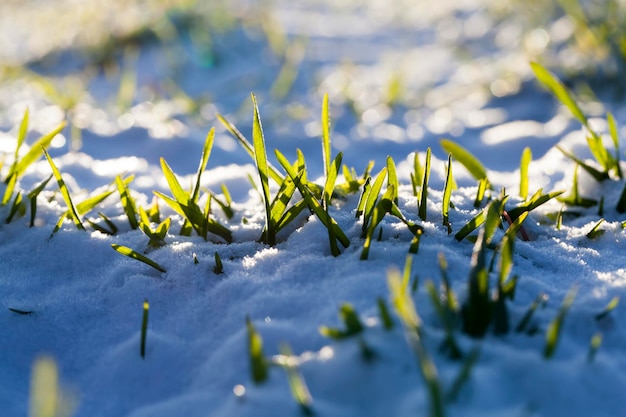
[{"x": 147, "y": 77}]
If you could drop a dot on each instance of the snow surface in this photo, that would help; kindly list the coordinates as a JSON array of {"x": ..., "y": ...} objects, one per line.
[{"x": 86, "y": 299}]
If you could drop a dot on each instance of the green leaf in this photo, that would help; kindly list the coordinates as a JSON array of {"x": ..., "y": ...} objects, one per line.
[
  {"x": 469, "y": 161},
  {"x": 537, "y": 200},
  {"x": 128, "y": 203},
  {"x": 392, "y": 178},
  {"x": 299, "y": 390},
  {"x": 595, "y": 231},
  {"x": 615, "y": 138},
  {"x": 144, "y": 328},
  {"x": 447, "y": 193},
  {"x": 126, "y": 251},
  {"x": 372, "y": 196},
  {"x": 352, "y": 324},
  {"x": 326, "y": 136},
  {"x": 610, "y": 307},
  {"x": 553, "y": 332},
  {"x": 36, "y": 150},
  {"x": 204, "y": 158},
  {"x": 523, "y": 172}
]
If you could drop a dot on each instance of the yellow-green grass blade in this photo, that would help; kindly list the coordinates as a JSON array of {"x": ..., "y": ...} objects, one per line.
[
  {"x": 424, "y": 191},
  {"x": 382, "y": 208},
  {"x": 595, "y": 231},
  {"x": 8, "y": 192},
  {"x": 533, "y": 203},
  {"x": 259, "y": 369},
  {"x": 299, "y": 390},
  {"x": 416, "y": 175},
  {"x": 596, "y": 174},
  {"x": 311, "y": 201},
  {"x": 126, "y": 251},
  {"x": 326, "y": 136},
  {"x": 363, "y": 197},
  {"x": 523, "y": 172},
  {"x": 465, "y": 158},
  {"x": 372, "y": 197},
  {"x": 260, "y": 158},
  {"x": 247, "y": 146},
  {"x": 73, "y": 214},
  {"x": 480, "y": 193},
  {"x": 351, "y": 321},
  {"x": 36, "y": 150},
  {"x": 613, "y": 131},
  {"x": 331, "y": 178},
  {"x": 553, "y": 332},
  {"x": 206, "y": 152},
  {"x": 594, "y": 345},
  {"x": 128, "y": 203},
  {"x": 610, "y": 307},
  {"x": 473, "y": 224},
  {"x": 290, "y": 215},
  {"x": 559, "y": 90},
  {"x": 179, "y": 194},
  {"x": 392, "y": 178},
  {"x": 447, "y": 193},
  {"x": 21, "y": 136}
]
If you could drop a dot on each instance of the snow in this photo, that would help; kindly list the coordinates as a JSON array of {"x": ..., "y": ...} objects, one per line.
[{"x": 86, "y": 300}]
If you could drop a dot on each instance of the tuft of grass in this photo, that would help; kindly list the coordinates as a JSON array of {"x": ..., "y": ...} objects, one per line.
[
  {"x": 186, "y": 203},
  {"x": 553, "y": 332},
  {"x": 351, "y": 321},
  {"x": 144, "y": 329},
  {"x": 20, "y": 165},
  {"x": 126, "y": 251}
]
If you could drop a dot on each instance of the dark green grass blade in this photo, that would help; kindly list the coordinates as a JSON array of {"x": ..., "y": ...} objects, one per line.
[
  {"x": 18, "y": 206},
  {"x": 204, "y": 158},
  {"x": 126, "y": 251},
  {"x": 128, "y": 203},
  {"x": 273, "y": 172},
  {"x": 465, "y": 158},
  {"x": 447, "y": 193},
  {"x": 144, "y": 328},
  {"x": 424, "y": 191},
  {"x": 463, "y": 377},
  {"x": 360, "y": 207},
  {"x": 260, "y": 158},
  {"x": 32, "y": 197},
  {"x": 383, "y": 314},
  {"x": 73, "y": 214},
  {"x": 525, "y": 321},
  {"x": 219, "y": 267}
]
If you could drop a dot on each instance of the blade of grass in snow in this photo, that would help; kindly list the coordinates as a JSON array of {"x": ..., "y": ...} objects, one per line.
[
  {"x": 73, "y": 214},
  {"x": 575, "y": 199},
  {"x": 537, "y": 200},
  {"x": 126, "y": 251},
  {"x": 144, "y": 328},
  {"x": 527, "y": 156},
  {"x": 613, "y": 131},
  {"x": 424, "y": 190},
  {"x": 595, "y": 231},
  {"x": 405, "y": 308},
  {"x": 299, "y": 390},
  {"x": 258, "y": 364},
  {"x": 449, "y": 343},
  {"x": 17, "y": 207},
  {"x": 363, "y": 197},
  {"x": 483, "y": 184},
  {"x": 128, "y": 203},
  {"x": 370, "y": 200},
  {"x": 522, "y": 326},
  {"x": 447, "y": 192},
  {"x": 204, "y": 159},
  {"x": 157, "y": 236},
  {"x": 351, "y": 321},
  {"x": 416, "y": 175},
  {"x": 463, "y": 377},
  {"x": 610, "y": 307},
  {"x": 594, "y": 345},
  {"x": 392, "y": 178},
  {"x": 219, "y": 267},
  {"x": 465, "y": 158},
  {"x": 383, "y": 314},
  {"x": 553, "y": 332},
  {"x": 596, "y": 174},
  {"x": 326, "y": 158},
  {"x": 32, "y": 197},
  {"x": 47, "y": 398}
]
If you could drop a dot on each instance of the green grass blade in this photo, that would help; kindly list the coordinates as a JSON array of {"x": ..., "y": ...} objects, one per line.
[
  {"x": 21, "y": 136},
  {"x": 8, "y": 192},
  {"x": 533, "y": 203},
  {"x": 17, "y": 207},
  {"x": 424, "y": 192},
  {"x": 465, "y": 158},
  {"x": 372, "y": 196},
  {"x": 219, "y": 267},
  {"x": 525, "y": 321},
  {"x": 594, "y": 345},
  {"x": 299, "y": 390},
  {"x": 144, "y": 329},
  {"x": 352, "y": 324},
  {"x": 326, "y": 136},
  {"x": 32, "y": 197},
  {"x": 204, "y": 158},
  {"x": 128, "y": 203},
  {"x": 247, "y": 146},
  {"x": 331, "y": 178},
  {"x": 260, "y": 157},
  {"x": 416, "y": 175},
  {"x": 72, "y": 213},
  {"x": 447, "y": 193},
  {"x": 471, "y": 225},
  {"x": 463, "y": 377},
  {"x": 363, "y": 198},
  {"x": 610, "y": 307},
  {"x": 36, "y": 150},
  {"x": 613, "y": 131},
  {"x": 480, "y": 193},
  {"x": 553, "y": 332},
  {"x": 126, "y": 251},
  {"x": 596, "y": 174},
  {"x": 523, "y": 172},
  {"x": 383, "y": 314},
  {"x": 557, "y": 88},
  {"x": 258, "y": 365},
  {"x": 179, "y": 194},
  {"x": 392, "y": 178}
]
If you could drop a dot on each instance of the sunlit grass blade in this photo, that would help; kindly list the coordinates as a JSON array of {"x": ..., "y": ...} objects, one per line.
[
  {"x": 416, "y": 175},
  {"x": 247, "y": 146},
  {"x": 405, "y": 309},
  {"x": 372, "y": 197},
  {"x": 392, "y": 178},
  {"x": 527, "y": 156},
  {"x": 259, "y": 368},
  {"x": 537, "y": 200},
  {"x": 144, "y": 328},
  {"x": 465, "y": 158},
  {"x": 553, "y": 332},
  {"x": 204, "y": 158},
  {"x": 73, "y": 214},
  {"x": 575, "y": 199},
  {"x": 447, "y": 193},
  {"x": 480, "y": 192},
  {"x": 128, "y": 203},
  {"x": 360, "y": 207},
  {"x": 126, "y": 251},
  {"x": 326, "y": 158},
  {"x": 260, "y": 158},
  {"x": 32, "y": 197},
  {"x": 36, "y": 150},
  {"x": 610, "y": 307},
  {"x": 157, "y": 235},
  {"x": 299, "y": 390},
  {"x": 613, "y": 131},
  {"x": 382, "y": 208},
  {"x": 17, "y": 208},
  {"x": 47, "y": 397},
  {"x": 595, "y": 231},
  {"x": 331, "y": 178},
  {"x": 351, "y": 321},
  {"x": 596, "y": 174},
  {"x": 424, "y": 190}
]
